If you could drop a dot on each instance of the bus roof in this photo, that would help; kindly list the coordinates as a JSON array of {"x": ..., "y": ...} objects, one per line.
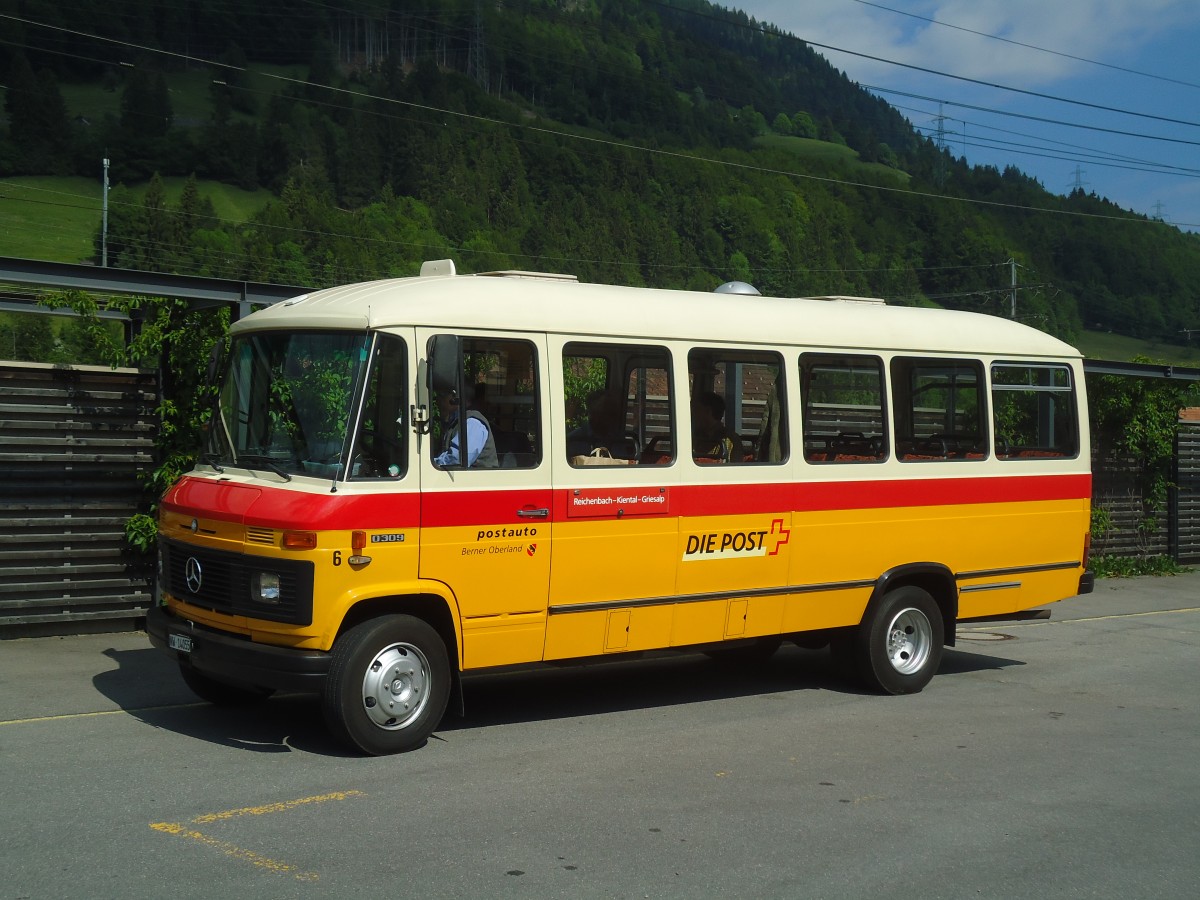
[{"x": 530, "y": 301}]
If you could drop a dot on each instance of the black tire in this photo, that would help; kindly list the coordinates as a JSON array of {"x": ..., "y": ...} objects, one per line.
[
  {"x": 388, "y": 685},
  {"x": 898, "y": 648},
  {"x": 221, "y": 693}
]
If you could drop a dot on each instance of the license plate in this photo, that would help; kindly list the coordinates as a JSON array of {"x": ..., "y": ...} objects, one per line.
[{"x": 180, "y": 642}]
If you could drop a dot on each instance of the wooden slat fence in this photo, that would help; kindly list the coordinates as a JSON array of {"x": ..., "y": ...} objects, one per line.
[
  {"x": 1187, "y": 494},
  {"x": 1115, "y": 488},
  {"x": 74, "y": 442}
]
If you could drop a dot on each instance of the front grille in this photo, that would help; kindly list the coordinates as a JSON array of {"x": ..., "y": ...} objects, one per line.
[{"x": 225, "y": 582}]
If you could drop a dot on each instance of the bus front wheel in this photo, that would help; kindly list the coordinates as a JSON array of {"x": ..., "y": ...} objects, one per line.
[
  {"x": 388, "y": 685},
  {"x": 899, "y": 647}
]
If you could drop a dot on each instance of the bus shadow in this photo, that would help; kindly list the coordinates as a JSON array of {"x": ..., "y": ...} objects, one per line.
[
  {"x": 658, "y": 681},
  {"x": 146, "y": 685},
  {"x": 620, "y": 685},
  {"x": 963, "y": 660}
]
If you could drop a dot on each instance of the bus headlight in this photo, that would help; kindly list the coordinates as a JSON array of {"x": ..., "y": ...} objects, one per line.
[{"x": 264, "y": 587}]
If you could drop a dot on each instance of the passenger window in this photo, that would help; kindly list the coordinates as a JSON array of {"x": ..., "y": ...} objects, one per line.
[
  {"x": 491, "y": 399},
  {"x": 618, "y": 403},
  {"x": 1033, "y": 411},
  {"x": 737, "y": 413},
  {"x": 939, "y": 409},
  {"x": 843, "y": 408},
  {"x": 381, "y": 444}
]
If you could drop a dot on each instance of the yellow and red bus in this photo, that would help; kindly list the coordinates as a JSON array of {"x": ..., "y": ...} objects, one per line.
[{"x": 644, "y": 470}]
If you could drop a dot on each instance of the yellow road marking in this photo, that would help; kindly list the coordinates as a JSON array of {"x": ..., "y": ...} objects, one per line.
[
  {"x": 992, "y": 626},
  {"x": 103, "y": 712},
  {"x": 274, "y": 807},
  {"x": 263, "y": 862},
  {"x": 257, "y": 859}
]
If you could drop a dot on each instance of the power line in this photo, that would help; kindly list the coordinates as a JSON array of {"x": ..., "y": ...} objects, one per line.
[
  {"x": 1032, "y": 118},
  {"x": 991, "y": 84},
  {"x": 996, "y": 37}
]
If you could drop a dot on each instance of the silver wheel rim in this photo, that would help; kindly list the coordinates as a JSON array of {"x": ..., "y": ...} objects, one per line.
[
  {"x": 909, "y": 641},
  {"x": 395, "y": 687}
]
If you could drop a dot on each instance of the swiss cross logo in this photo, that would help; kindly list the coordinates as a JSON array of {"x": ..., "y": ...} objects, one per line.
[{"x": 780, "y": 535}]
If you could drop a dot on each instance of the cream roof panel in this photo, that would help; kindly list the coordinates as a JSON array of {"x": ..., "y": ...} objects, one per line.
[{"x": 608, "y": 311}]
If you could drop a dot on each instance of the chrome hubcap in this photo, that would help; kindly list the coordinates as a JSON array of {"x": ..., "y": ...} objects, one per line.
[
  {"x": 909, "y": 641},
  {"x": 395, "y": 687}
]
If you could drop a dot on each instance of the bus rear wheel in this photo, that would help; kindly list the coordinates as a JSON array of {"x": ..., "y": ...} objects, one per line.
[
  {"x": 899, "y": 647},
  {"x": 388, "y": 685}
]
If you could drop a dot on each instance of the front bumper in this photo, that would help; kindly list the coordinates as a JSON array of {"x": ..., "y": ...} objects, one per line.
[{"x": 236, "y": 659}]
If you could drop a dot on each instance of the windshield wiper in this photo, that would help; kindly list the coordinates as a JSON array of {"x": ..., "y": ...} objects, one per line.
[
  {"x": 253, "y": 460},
  {"x": 213, "y": 459}
]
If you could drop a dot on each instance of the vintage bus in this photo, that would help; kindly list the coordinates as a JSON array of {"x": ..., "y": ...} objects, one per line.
[{"x": 410, "y": 480}]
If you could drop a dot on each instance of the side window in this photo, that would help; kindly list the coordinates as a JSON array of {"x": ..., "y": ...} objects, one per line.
[
  {"x": 737, "y": 409},
  {"x": 618, "y": 404},
  {"x": 1033, "y": 411},
  {"x": 491, "y": 404},
  {"x": 939, "y": 409},
  {"x": 843, "y": 408},
  {"x": 381, "y": 444}
]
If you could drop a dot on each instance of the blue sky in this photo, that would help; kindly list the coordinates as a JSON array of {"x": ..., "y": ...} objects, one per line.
[{"x": 1148, "y": 48}]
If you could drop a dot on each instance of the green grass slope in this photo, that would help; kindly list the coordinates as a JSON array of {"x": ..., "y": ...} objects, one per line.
[
  {"x": 1117, "y": 347},
  {"x": 57, "y": 219}
]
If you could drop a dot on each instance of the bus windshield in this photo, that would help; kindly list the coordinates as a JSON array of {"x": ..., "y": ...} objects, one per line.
[{"x": 285, "y": 400}]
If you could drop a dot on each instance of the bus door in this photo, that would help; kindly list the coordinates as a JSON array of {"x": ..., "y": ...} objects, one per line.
[
  {"x": 736, "y": 513},
  {"x": 612, "y": 586},
  {"x": 486, "y": 507}
]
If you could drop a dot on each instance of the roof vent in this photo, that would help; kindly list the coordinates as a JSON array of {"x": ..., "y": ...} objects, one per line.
[
  {"x": 540, "y": 276},
  {"x": 433, "y": 267},
  {"x": 738, "y": 287},
  {"x": 838, "y": 298}
]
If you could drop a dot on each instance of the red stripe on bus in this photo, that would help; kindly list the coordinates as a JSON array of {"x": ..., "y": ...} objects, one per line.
[
  {"x": 279, "y": 508},
  {"x": 728, "y": 499},
  {"x": 442, "y": 509},
  {"x": 283, "y": 509},
  {"x": 336, "y": 512}
]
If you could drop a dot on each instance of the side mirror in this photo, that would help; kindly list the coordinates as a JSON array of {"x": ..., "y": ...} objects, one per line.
[
  {"x": 445, "y": 363},
  {"x": 445, "y": 373}
]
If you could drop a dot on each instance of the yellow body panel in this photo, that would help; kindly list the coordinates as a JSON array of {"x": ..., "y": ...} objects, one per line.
[{"x": 665, "y": 581}]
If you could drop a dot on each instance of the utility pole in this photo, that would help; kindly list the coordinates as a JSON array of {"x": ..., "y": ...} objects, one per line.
[
  {"x": 940, "y": 142},
  {"x": 104, "y": 221},
  {"x": 1012, "y": 303},
  {"x": 476, "y": 55},
  {"x": 1078, "y": 184}
]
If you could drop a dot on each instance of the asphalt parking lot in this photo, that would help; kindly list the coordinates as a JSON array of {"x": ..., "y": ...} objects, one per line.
[{"x": 1048, "y": 759}]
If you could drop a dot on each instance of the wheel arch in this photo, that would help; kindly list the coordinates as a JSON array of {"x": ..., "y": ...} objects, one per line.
[
  {"x": 934, "y": 578},
  {"x": 432, "y": 608},
  {"x": 438, "y": 611}
]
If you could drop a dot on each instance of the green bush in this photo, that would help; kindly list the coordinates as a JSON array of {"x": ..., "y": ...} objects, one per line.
[{"x": 1129, "y": 566}]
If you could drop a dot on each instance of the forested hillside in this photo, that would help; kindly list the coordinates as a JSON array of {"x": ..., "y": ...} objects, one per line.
[{"x": 670, "y": 143}]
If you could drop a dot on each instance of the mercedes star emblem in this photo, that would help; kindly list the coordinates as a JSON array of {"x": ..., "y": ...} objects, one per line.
[{"x": 194, "y": 574}]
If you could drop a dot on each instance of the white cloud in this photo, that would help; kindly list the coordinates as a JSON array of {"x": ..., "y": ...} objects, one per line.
[{"x": 1112, "y": 31}]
